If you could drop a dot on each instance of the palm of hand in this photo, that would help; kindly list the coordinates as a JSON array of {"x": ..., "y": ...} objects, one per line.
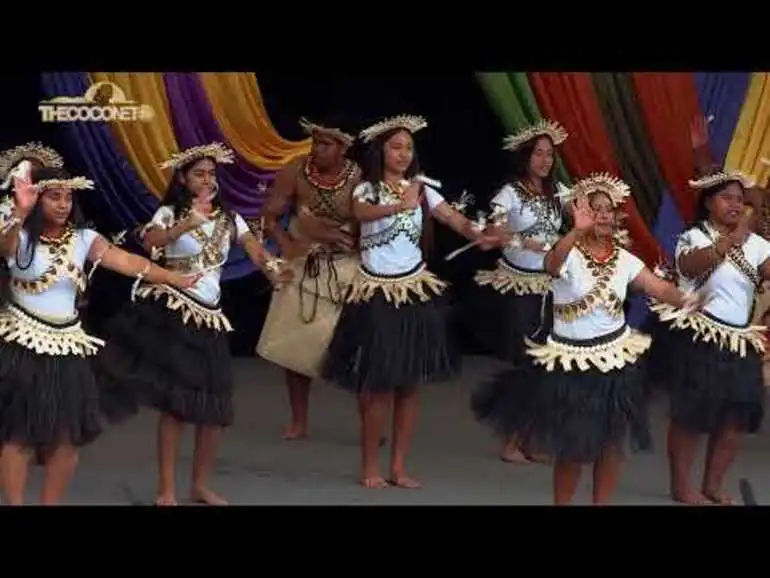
[
  {"x": 25, "y": 193},
  {"x": 584, "y": 218},
  {"x": 698, "y": 132}
]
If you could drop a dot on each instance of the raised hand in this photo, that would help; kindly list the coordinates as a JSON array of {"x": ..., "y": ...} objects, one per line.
[
  {"x": 582, "y": 214},
  {"x": 25, "y": 193},
  {"x": 699, "y": 135},
  {"x": 411, "y": 196}
]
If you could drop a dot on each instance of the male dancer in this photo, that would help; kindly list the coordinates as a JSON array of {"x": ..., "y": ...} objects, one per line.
[{"x": 320, "y": 243}]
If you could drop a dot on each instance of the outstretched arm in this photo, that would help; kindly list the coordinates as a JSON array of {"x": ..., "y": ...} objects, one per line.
[
  {"x": 104, "y": 253},
  {"x": 280, "y": 198},
  {"x": 455, "y": 220},
  {"x": 266, "y": 261},
  {"x": 657, "y": 288}
]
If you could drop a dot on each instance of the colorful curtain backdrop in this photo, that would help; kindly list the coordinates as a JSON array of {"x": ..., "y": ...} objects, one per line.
[
  {"x": 636, "y": 125},
  {"x": 189, "y": 109}
]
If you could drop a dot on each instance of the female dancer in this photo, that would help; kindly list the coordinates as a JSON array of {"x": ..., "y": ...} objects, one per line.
[
  {"x": 49, "y": 398},
  {"x": 588, "y": 374},
  {"x": 174, "y": 341},
  {"x": 714, "y": 355},
  {"x": 393, "y": 333},
  {"x": 514, "y": 298}
]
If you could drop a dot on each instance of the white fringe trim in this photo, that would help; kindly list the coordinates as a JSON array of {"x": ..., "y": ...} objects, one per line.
[
  {"x": 505, "y": 278},
  {"x": 616, "y": 354},
  {"x": 16, "y": 326}
]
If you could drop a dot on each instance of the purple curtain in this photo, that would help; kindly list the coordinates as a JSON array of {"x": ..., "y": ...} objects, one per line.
[
  {"x": 722, "y": 94},
  {"x": 243, "y": 187},
  {"x": 124, "y": 196}
]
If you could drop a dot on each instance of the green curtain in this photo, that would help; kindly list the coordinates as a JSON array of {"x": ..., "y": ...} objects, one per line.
[
  {"x": 624, "y": 120},
  {"x": 511, "y": 97}
]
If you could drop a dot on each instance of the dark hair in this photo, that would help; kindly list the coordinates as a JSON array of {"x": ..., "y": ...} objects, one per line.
[
  {"x": 180, "y": 198},
  {"x": 35, "y": 221},
  {"x": 519, "y": 167},
  {"x": 372, "y": 171},
  {"x": 701, "y": 207}
]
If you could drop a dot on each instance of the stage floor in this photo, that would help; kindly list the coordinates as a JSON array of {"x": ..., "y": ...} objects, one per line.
[{"x": 455, "y": 458}]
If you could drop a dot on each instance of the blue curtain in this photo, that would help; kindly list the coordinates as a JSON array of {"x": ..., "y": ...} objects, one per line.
[{"x": 722, "y": 94}]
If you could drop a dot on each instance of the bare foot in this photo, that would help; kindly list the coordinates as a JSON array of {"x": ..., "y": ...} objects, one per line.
[
  {"x": 405, "y": 482},
  {"x": 206, "y": 496},
  {"x": 538, "y": 459},
  {"x": 690, "y": 498},
  {"x": 374, "y": 482},
  {"x": 718, "y": 498},
  {"x": 514, "y": 455},
  {"x": 294, "y": 432},
  {"x": 165, "y": 500}
]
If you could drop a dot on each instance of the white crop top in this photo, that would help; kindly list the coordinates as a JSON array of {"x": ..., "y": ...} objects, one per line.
[
  {"x": 48, "y": 286},
  {"x": 202, "y": 248},
  {"x": 576, "y": 280},
  {"x": 391, "y": 245},
  {"x": 535, "y": 217},
  {"x": 731, "y": 293}
]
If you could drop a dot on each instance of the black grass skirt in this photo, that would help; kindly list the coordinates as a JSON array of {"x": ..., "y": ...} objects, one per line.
[
  {"x": 660, "y": 357},
  {"x": 577, "y": 414},
  {"x": 500, "y": 321},
  {"x": 47, "y": 400},
  {"x": 153, "y": 358},
  {"x": 505, "y": 403},
  {"x": 379, "y": 347},
  {"x": 710, "y": 387}
]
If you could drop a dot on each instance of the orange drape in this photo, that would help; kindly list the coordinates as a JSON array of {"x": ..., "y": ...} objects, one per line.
[
  {"x": 669, "y": 102},
  {"x": 569, "y": 99}
]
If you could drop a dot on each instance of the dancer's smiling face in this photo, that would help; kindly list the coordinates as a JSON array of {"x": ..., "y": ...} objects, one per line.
[
  {"x": 726, "y": 206},
  {"x": 542, "y": 158},
  {"x": 604, "y": 214}
]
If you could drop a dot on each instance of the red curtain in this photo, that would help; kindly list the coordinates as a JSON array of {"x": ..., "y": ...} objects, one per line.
[
  {"x": 669, "y": 102},
  {"x": 569, "y": 98}
]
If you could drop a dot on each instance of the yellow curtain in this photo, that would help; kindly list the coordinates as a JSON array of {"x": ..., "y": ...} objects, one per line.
[
  {"x": 236, "y": 103},
  {"x": 751, "y": 139},
  {"x": 145, "y": 144}
]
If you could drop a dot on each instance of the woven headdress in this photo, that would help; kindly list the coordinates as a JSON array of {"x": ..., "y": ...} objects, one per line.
[
  {"x": 46, "y": 156},
  {"x": 336, "y": 133},
  {"x": 403, "y": 121},
  {"x": 722, "y": 177},
  {"x": 216, "y": 150},
  {"x": 545, "y": 127},
  {"x": 613, "y": 187},
  {"x": 75, "y": 183}
]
